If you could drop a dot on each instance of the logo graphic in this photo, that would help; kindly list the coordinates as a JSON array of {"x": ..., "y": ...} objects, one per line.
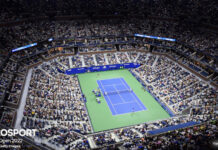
[{"x": 20, "y": 132}]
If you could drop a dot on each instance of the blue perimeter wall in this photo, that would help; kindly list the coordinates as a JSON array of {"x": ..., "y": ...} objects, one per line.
[
  {"x": 172, "y": 128},
  {"x": 99, "y": 68}
]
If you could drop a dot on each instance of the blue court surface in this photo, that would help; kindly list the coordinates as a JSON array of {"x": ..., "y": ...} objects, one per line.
[{"x": 119, "y": 96}]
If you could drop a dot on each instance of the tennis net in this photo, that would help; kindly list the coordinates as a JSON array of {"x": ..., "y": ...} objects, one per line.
[{"x": 117, "y": 92}]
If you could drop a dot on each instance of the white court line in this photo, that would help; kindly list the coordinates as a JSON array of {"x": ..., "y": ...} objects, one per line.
[
  {"x": 113, "y": 84},
  {"x": 108, "y": 79},
  {"x": 109, "y": 99},
  {"x": 132, "y": 94},
  {"x": 123, "y": 103},
  {"x": 123, "y": 83},
  {"x": 130, "y": 112},
  {"x": 111, "y": 79},
  {"x": 137, "y": 101},
  {"x": 119, "y": 94}
]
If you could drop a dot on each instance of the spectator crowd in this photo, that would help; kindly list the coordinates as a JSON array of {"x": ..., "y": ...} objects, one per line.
[{"x": 54, "y": 104}]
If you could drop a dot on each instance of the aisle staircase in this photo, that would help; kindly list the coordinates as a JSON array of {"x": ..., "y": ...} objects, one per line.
[
  {"x": 155, "y": 61},
  {"x": 70, "y": 61},
  {"x": 106, "y": 60},
  {"x": 82, "y": 60},
  {"x": 138, "y": 54},
  {"x": 94, "y": 59}
]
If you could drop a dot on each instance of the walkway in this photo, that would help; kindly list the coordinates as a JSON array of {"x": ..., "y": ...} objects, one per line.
[{"x": 23, "y": 100}]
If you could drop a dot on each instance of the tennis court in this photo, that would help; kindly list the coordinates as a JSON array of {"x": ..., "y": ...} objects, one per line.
[
  {"x": 103, "y": 116},
  {"x": 119, "y": 96}
]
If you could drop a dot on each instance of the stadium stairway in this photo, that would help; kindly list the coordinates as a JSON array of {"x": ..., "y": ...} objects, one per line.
[
  {"x": 114, "y": 136},
  {"x": 106, "y": 60},
  {"x": 128, "y": 57},
  {"x": 117, "y": 59},
  {"x": 140, "y": 135},
  {"x": 91, "y": 142},
  {"x": 94, "y": 59},
  {"x": 23, "y": 100},
  {"x": 76, "y": 141},
  {"x": 45, "y": 72},
  {"x": 83, "y": 62},
  {"x": 70, "y": 61},
  {"x": 157, "y": 57},
  {"x": 62, "y": 64},
  {"x": 138, "y": 54}
]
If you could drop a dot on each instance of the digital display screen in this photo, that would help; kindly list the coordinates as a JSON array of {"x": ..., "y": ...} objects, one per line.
[
  {"x": 155, "y": 37},
  {"x": 51, "y": 39},
  {"x": 23, "y": 47}
]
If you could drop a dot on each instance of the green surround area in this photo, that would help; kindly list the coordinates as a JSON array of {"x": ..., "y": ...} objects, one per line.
[{"x": 100, "y": 114}]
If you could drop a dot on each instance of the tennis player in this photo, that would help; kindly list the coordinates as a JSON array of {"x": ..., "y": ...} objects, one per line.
[{"x": 133, "y": 110}]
